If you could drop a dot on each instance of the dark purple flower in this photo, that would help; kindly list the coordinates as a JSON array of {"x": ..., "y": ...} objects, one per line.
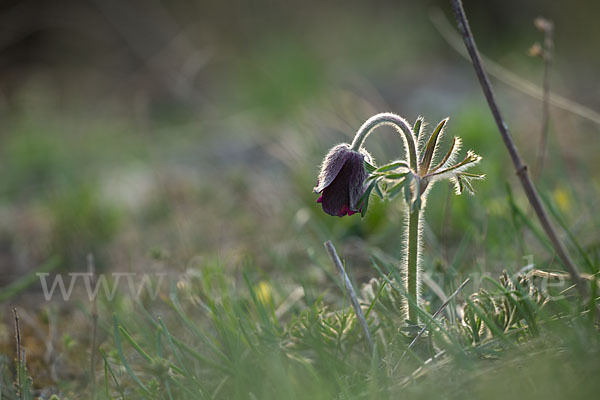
[{"x": 342, "y": 180}]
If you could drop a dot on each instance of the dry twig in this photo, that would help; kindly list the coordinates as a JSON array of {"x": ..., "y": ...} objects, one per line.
[
  {"x": 351, "y": 293},
  {"x": 20, "y": 354},
  {"x": 520, "y": 167},
  {"x": 547, "y": 28}
]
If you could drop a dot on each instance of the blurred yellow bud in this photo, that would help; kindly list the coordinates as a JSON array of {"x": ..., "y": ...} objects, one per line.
[
  {"x": 263, "y": 292},
  {"x": 562, "y": 199}
]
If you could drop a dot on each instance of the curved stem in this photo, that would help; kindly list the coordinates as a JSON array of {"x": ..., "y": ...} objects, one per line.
[
  {"x": 399, "y": 123},
  {"x": 410, "y": 147}
]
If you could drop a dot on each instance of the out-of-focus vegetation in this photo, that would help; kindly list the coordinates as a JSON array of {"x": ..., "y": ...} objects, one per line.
[{"x": 185, "y": 138}]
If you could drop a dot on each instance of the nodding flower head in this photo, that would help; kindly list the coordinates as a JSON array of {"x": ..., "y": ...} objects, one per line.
[{"x": 341, "y": 182}]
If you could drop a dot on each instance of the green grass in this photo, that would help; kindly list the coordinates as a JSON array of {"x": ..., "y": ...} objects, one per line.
[
  {"x": 228, "y": 342},
  {"x": 270, "y": 319}
]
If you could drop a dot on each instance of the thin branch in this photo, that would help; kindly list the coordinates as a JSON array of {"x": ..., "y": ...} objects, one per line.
[
  {"x": 350, "y": 290},
  {"x": 19, "y": 353},
  {"x": 442, "y": 25},
  {"x": 548, "y": 28},
  {"x": 520, "y": 167}
]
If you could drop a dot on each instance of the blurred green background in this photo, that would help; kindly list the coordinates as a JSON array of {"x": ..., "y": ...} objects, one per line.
[{"x": 159, "y": 136}]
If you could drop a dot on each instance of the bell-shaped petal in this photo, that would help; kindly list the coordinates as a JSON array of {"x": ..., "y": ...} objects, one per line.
[{"x": 342, "y": 180}]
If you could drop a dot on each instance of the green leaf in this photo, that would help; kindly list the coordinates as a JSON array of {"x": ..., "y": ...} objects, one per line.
[
  {"x": 378, "y": 191},
  {"x": 369, "y": 167},
  {"x": 396, "y": 189},
  {"x": 455, "y": 142},
  {"x": 366, "y": 194},
  {"x": 470, "y": 158},
  {"x": 417, "y": 127},
  {"x": 363, "y": 202},
  {"x": 108, "y": 368},
  {"x": 395, "y": 176},
  {"x": 391, "y": 176},
  {"x": 489, "y": 322},
  {"x": 183, "y": 370},
  {"x": 431, "y": 145},
  {"x": 379, "y": 292},
  {"x": 135, "y": 344},
  {"x": 391, "y": 166},
  {"x": 117, "y": 338},
  {"x": 365, "y": 205}
]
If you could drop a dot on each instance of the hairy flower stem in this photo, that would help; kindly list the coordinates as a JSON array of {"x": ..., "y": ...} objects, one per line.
[
  {"x": 413, "y": 177},
  {"x": 412, "y": 270},
  {"x": 395, "y": 121},
  {"x": 410, "y": 146}
]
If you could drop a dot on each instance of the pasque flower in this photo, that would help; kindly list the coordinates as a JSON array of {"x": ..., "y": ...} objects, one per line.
[
  {"x": 348, "y": 177},
  {"x": 342, "y": 180}
]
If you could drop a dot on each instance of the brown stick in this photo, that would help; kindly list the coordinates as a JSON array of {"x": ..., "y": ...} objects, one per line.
[
  {"x": 547, "y": 49},
  {"x": 520, "y": 167},
  {"x": 19, "y": 354},
  {"x": 350, "y": 290}
]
